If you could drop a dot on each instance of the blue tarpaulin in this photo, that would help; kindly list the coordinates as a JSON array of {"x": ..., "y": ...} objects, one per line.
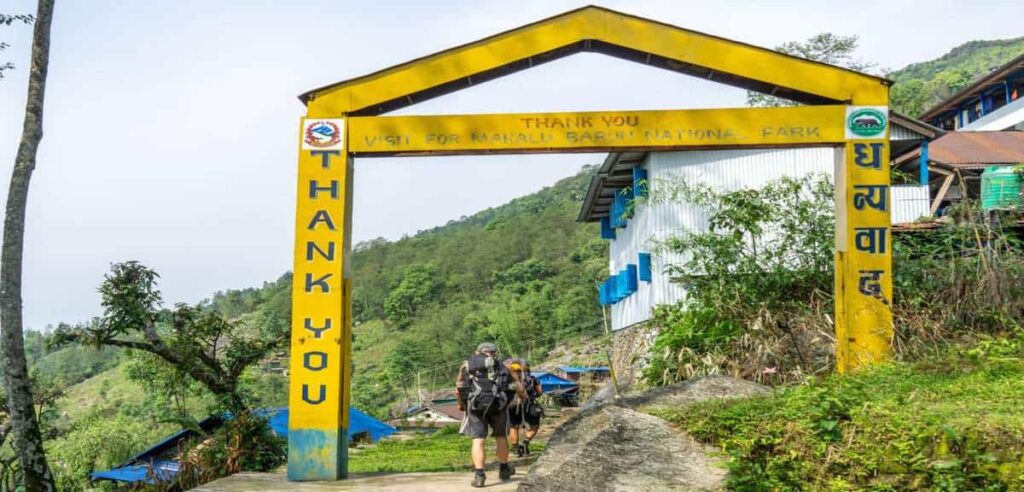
[
  {"x": 358, "y": 423},
  {"x": 162, "y": 469},
  {"x": 153, "y": 463},
  {"x": 549, "y": 382}
]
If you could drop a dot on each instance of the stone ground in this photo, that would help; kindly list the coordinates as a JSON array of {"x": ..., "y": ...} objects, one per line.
[{"x": 391, "y": 482}]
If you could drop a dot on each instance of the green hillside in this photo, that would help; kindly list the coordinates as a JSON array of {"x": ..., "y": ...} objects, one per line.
[
  {"x": 919, "y": 86},
  {"x": 522, "y": 274}
]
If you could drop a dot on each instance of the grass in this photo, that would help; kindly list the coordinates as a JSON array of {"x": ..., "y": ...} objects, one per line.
[
  {"x": 950, "y": 422},
  {"x": 443, "y": 451},
  {"x": 103, "y": 393}
]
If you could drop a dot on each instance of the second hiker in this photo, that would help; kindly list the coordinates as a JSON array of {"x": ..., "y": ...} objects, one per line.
[{"x": 524, "y": 410}]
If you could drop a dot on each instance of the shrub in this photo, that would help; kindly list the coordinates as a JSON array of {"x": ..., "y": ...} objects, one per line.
[{"x": 759, "y": 285}]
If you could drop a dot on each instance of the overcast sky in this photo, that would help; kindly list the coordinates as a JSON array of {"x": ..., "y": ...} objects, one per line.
[{"x": 170, "y": 126}]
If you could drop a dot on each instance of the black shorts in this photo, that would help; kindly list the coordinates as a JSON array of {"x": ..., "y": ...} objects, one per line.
[
  {"x": 476, "y": 426},
  {"x": 517, "y": 414}
]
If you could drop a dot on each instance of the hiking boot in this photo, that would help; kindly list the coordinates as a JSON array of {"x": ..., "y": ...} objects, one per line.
[
  {"x": 506, "y": 471},
  {"x": 526, "y": 448},
  {"x": 478, "y": 479},
  {"x": 520, "y": 450}
]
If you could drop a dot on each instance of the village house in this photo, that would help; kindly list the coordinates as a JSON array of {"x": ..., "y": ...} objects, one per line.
[{"x": 635, "y": 264}]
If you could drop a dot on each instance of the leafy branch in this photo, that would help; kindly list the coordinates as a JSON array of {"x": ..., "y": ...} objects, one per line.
[{"x": 195, "y": 341}]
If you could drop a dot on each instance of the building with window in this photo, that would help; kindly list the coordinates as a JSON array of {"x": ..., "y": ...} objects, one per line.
[
  {"x": 638, "y": 280},
  {"x": 995, "y": 102}
]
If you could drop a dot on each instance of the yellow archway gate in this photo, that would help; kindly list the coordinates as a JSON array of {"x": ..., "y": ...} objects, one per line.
[{"x": 844, "y": 109}]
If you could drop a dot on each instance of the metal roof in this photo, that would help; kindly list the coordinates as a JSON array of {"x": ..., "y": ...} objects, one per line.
[
  {"x": 578, "y": 369},
  {"x": 617, "y": 170},
  {"x": 974, "y": 89},
  {"x": 550, "y": 380},
  {"x": 962, "y": 149}
]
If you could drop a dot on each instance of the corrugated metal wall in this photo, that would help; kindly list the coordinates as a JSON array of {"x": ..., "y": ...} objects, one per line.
[
  {"x": 909, "y": 203},
  {"x": 726, "y": 170},
  {"x": 897, "y": 132}
]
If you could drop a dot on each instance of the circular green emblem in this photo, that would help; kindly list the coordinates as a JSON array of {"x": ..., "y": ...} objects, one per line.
[{"x": 867, "y": 122}]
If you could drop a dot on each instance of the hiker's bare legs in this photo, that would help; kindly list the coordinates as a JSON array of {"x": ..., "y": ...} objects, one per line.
[
  {"x": 513, "y": 435},
  {"x": 502, "y": 445},
  {"x": 530, "y": 433},
  {"x": 478, "y": 453}
]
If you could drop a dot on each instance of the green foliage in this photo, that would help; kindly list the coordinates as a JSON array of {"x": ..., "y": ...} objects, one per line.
[
  {"x": 444, "y": 450},
  {"x": 947, "y": 422},
  {"x": 759, "y": 285},
  {"x": 167, "y": 392},
  {"x": 97, "y": 443},
  {"x": 963, "y": 279},
  {"x": 824, "y": 47},
  {"x": 6, "y": 20},
  {"x": 764, "y": 263},
  {"x": 244, "y": 443},
  {"x": 419, "y": 285},
  {"x": 920, "y": 86},
  {"x": 196, "y": 342},
  {"x": 523, "y": 274}
]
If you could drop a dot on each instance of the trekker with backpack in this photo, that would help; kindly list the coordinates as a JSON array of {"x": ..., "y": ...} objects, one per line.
[
  {"x": 483, "y": 388},
  {"x": 526, "y": 410}
]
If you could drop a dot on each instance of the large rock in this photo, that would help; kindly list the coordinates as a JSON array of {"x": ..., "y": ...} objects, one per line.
[
  {"x": 617, "y": 449},
  {"x": 613, "y": 447},
  {"x": 693, "y": 391}
]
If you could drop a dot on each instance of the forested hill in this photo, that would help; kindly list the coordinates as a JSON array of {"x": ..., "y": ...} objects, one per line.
[
  {"x": 919, "y": 86},
  {"x": 523, "y": 274}
]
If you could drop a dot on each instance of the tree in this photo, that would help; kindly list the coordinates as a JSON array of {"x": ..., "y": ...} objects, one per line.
[
  {"x": 419, "y": 284},
  {"x": 46, "y": 395},
  {"x": 28, "y": 441},
  {"x": 197, "y": 342},
  {"x": 6, "y": 20},
  {"x": 826, "y": 48}
]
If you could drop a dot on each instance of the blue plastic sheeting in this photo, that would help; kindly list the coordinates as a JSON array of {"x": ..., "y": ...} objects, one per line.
[
  {"x": 358, "y": 423},
  {"x": 137, "y": 468},
  {"x": 550, "y": 382},
  {"x": 162, "y": 470},
  {"x": 581, "y": 370}
]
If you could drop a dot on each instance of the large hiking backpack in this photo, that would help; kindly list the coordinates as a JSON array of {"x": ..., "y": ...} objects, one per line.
[
  {"x": 486, "y": 383},
  {"x": 530, "y": 384},
  {"x": 533, "y": 408}
]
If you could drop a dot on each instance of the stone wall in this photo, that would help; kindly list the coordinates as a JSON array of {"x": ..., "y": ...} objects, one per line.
[{"x": 630, "y": 352}]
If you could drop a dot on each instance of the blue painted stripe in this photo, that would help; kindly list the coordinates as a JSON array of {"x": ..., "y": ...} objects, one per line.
[{"x": 315, "y": 454}]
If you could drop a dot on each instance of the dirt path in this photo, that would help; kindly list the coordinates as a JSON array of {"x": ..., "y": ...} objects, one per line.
[{"x": 392, "y": 482}]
